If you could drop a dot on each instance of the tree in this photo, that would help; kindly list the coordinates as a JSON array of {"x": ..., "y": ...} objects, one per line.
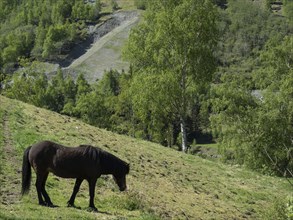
[
  {"x": 109, "y": 84},
  {"x": 95, "y": 10},
  {"x": 114, "y": 5},
  {"x": 91, "y": 109},
  {"x": 56, "y": 38},
  {"x": 70, "y": 91},
  {"x": 83, "y": 87},
  {"x": 39, "y": 41},
  {"x": 122, "y": 118},
  {"x": 55, "y": 92},
  {"x": 288, "y": 11},
  {"x": 28, "y": 86},
  {"x": 140, "y": 4},
  {"x": 172, "y": 55},
  {"x": 256, "y": 126}
]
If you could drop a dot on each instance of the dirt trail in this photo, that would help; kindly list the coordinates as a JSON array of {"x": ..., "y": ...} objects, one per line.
[{"x": 10, "y": 166}]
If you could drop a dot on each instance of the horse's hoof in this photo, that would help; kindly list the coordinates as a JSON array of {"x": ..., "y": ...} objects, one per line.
[
  {"x": 70, "y": 204},
  {"x": 52, "y": 206},
  {"x": 92, "y": 209},
  {"x": 73, "y": 206}
]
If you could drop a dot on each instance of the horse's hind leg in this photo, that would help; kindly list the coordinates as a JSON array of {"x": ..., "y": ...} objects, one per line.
[
  {"x": 44, "y": 192},
  {"x": 75, "y": 190},
  {"x": 40, "y": 185},
  {"x": 39, "y": 189}
]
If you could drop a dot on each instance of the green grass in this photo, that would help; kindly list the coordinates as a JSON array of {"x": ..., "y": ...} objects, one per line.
[
  {"x": 122, "y": 4},
  {"x": 163, "y": 183},
  {"x": 1, "y": 137}
]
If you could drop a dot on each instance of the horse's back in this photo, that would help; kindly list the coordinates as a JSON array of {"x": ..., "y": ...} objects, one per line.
[
  {"x": 73, "y": 162},
  {"x": 67, "y": 162},
  {"x": 44, "y": 147}
]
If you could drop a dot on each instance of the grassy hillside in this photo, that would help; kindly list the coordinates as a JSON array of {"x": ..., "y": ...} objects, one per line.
[{"x": 163, "y": 183}]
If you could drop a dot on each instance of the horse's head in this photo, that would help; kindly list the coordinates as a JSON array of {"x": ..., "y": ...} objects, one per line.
[{"x": 120, "y": 179}]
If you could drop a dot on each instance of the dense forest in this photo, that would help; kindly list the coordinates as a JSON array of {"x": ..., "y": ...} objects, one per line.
[
  {"x": 201, "y": 71},
  {"x": 42, "y": 30}
]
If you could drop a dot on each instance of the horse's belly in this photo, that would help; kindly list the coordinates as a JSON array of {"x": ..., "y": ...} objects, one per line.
[
  {"x": 65, "y": 173},
  {"x": 70, "y": 171},
  {"x": 72, "y": 166}
]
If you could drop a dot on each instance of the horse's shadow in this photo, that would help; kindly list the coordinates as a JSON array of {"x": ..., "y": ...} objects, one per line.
[
  {"x": 90, "y": 210},
  {"x": 105, "y": 213}
]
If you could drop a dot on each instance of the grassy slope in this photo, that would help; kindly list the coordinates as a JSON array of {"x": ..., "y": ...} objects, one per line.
[{"x": 162, "y": 182}]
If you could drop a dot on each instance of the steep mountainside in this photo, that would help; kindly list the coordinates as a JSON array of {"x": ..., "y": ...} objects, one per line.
[{"x": 163, "y": 183}]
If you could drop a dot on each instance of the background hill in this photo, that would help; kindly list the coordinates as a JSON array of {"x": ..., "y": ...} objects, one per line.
[
  {"x": 163, "y": 184},
  {"x": 104, "y": 53}
]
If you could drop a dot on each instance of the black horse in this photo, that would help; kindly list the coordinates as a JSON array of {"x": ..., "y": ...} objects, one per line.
[{"x": 83, "y": 163}]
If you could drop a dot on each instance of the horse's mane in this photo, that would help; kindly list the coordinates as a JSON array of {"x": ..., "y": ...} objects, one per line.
[
  {"x": 108, "y": 160},
  {"x": 114, "y": 163},
  {"x": 90, "y": 152}
]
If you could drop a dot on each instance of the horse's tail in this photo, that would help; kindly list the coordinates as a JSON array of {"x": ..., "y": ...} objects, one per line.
[{"x": 26, "y": 172}]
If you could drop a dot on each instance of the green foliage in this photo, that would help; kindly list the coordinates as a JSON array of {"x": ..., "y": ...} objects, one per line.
[
  {"x": 172, "y": 63},
  {"x": 42, "y": 29},
  {"x": 259, "y": 127},
  {"x": 122, "y": 118},
  {"x": 83, "y": 86},
  {"x": 141, "y": 4},
  {"x": 171, "y": 54},
  {"x": 289, "y": 207},
  {"x": 114, "y": 5},
  {"x": 91, "y": 109},
  {"x": 252, "y": 95},
  {"x": 245, "y": 28},
  {"x": 281, "y": 209},
  {"x": 92, "y": 103},
  {"x": 82, "y": 11},
  {"x": 109, "y": 84},
  {"x": 288, "y": 11},
  {"x": 55, "y": 39}
]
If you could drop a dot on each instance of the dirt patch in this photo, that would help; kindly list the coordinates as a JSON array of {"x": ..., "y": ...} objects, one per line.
[
  {"x": 205, "y": 152},
  {"x": 10, "y": 172}
]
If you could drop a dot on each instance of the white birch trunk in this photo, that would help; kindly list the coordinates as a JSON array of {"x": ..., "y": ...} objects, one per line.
[
  {"x": 183, "y": 107},
  {"x": 184, "y": 136}
]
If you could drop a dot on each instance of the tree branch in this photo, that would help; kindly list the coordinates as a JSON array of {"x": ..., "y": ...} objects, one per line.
[{"x": 278, "y": 167}]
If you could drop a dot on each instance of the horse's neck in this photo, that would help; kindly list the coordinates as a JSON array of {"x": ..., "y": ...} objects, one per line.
[{"x": 108, "y": 164}]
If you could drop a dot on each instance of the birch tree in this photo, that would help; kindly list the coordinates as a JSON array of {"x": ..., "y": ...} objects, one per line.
[{"x": 171, "y": 52}]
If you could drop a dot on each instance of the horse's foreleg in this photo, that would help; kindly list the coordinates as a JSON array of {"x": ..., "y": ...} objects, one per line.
[
  {"x": 75, "y": 190},
  {"x": 92, "y": 185}
]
